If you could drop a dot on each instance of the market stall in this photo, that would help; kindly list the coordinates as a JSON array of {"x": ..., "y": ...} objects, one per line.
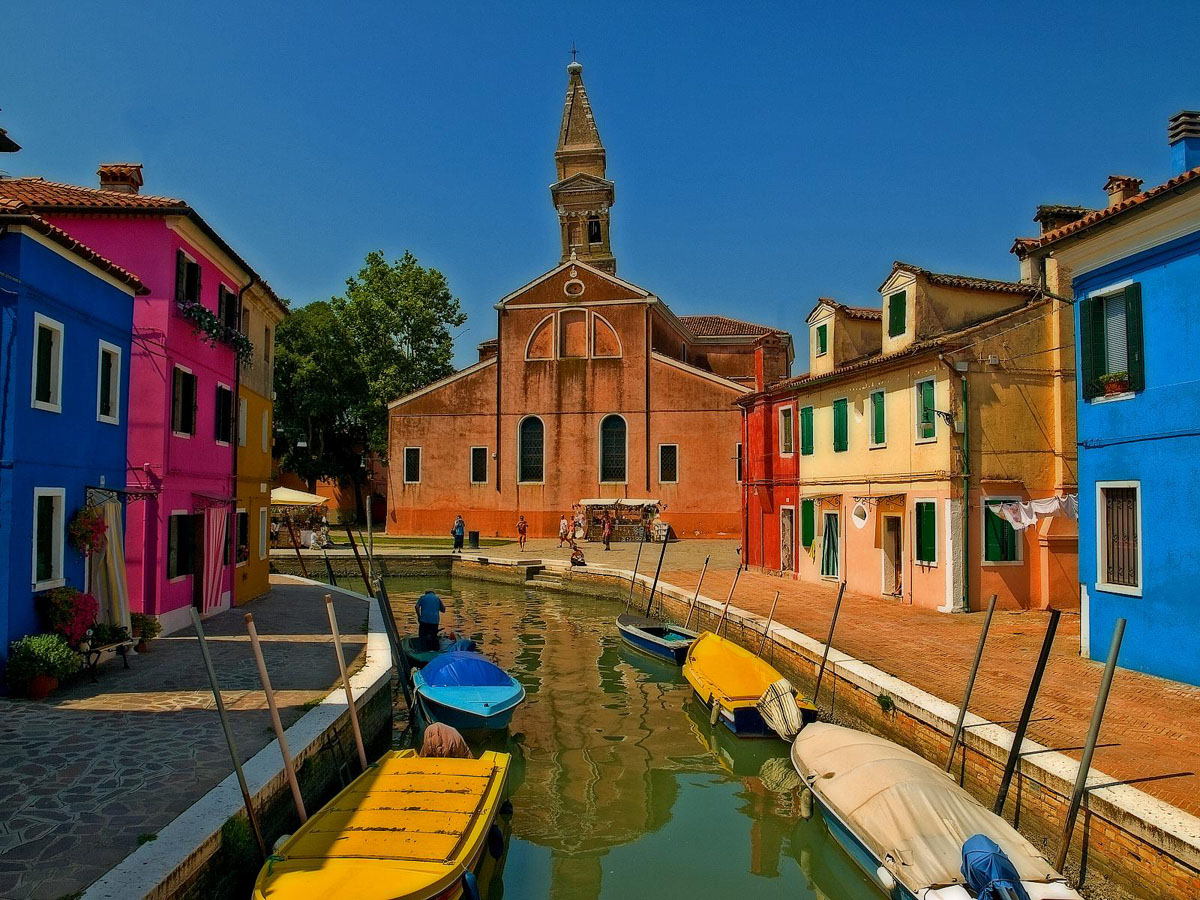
[{"x": 634, "y": 519}]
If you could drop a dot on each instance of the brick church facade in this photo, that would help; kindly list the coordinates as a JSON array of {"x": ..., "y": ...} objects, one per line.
[{"x": 593, "y": 387}]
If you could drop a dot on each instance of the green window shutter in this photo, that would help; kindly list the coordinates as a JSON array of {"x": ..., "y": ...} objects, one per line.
[
  {"x": 106, "y": 373},
  {"x": 878, "y": 431},
  {"x": 993, "y": 550},
  {"x": 173, "y": 546},
  {"x": 896, "y": 314},
  {"x": 181, "y": 273},
  {"x": 840, "y": 427},
  {"x": 808, "y": 522},
  {"x": 822, "y": 339},
  {"x": 928, "y": 428},
  {"x": 806, "y": 431},
  {"x": 45, "y": 351},
  {"x": 1087, "y": 342},
  {"x": 45, "y": 539},
  {"x": 787, "y": 431},
  {"x": 1133, "y": 336},
  {"x": 926, "y": 532}
]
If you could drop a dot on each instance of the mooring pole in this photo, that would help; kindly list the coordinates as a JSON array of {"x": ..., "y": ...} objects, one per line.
[
  {"x": 692, "y": 608},
  {"x": 837, "y": 608},
  {"x": 288, "y": 769},
  {"x": 767, "y": 630},
  {"x": 654, "y": 587},
  {"x": 1014, "y": 755},
  {"x": 728, "y": 600},
  {"x": 337, "y": 646},
  {"x": 962, "y": 710},
  {"x": 1085, "y": 763},
  {"x": 393, "y": 633},
  {"x": 361, "y": 568},
  {"x": 329, "y": 568},
  {"x": 233, "y": 750},
  {"x": 638, "y": 562},
  {"x": 296, "y": 544}
]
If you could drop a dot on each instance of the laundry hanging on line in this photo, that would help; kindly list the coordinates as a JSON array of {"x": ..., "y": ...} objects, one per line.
[{"x": 1021, "y": 514}]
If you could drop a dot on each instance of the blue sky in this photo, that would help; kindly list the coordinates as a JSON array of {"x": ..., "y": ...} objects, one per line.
[{"x": 764, "y": 155}]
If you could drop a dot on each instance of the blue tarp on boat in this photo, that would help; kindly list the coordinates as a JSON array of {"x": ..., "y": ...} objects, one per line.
[
  {"x": 461, "y": 669},
  {"x": 988, "y": 870}
]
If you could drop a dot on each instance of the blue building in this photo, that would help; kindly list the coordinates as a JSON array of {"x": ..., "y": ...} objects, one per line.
[
  {"x": 66, "y": 322},
  {"x": 1133, "y": 269}
]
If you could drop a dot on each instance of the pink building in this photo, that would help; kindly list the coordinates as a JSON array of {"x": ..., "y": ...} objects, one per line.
[{"x": 184, "y": 421}]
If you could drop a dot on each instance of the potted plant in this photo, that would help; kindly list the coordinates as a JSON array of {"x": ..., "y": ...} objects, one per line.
[
  {"x": 145, "y": 628},
  {"x": 87, "y": 530},
  {"x": 68, "y": 612},
  {"x": 104, "y": 634},
  {"x": 1115, "y": 383},
  {"x": 37, "y": 662}
]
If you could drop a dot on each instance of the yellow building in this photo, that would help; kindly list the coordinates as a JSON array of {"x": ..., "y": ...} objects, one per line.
[
  {"x": 261, "y": 315},
  {"x": 882, "y": 465}
]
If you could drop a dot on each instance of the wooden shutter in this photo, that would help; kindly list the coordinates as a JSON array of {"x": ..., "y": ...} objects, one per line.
[
  {"x": 45, "y": 364},
  {"x": 878, "y": 434},
  {"x": 1092, "y": 346},
  {"x": 896, "y": 314},
  {"x": 841, "y": 439},
  {"x": 808, "y": 523},
  {"x": 177, "y": 400},
  {"x": 1133, "y": 333},
  {"x": 926, "y": 532},
  {"x": 993, "y": 538},
  {"x": 927, "y": 424},
  {"x": 806, "y": 431},
  {"x": 822, "y": 338},
  {"x": 173, "y": 546},
  {"x": 181, "y": 275}
]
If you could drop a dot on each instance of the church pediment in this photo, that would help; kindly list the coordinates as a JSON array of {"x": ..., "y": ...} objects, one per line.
[
  {"x": 574, "y": 282},
  {"x": 581, "y": 182}
]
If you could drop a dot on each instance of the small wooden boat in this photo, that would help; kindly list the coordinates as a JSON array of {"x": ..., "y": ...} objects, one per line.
[
  {"x": 911, "y": 828},
  {"x": 467, "y": 691},
  {"x": 660, "y": 639},
  {"x": 406, "y": 829},
  {"x": 732, "y": 679},
  {"x": 418, "y": 656}
]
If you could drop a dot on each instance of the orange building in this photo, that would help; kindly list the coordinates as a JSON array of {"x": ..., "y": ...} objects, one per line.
[{"x": 592, "y": 388}]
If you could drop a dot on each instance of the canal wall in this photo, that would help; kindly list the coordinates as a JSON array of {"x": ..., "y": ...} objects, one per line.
[
  {"x": 345, "y": 566},
  {"x": 1126, "y": 843},
  {"x": 209, "y": 850}
]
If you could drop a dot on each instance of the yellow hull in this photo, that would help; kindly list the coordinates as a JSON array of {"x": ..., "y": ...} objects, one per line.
[
  {"x": 720, "y": 670},
  {"x": 406, "y": 829}
]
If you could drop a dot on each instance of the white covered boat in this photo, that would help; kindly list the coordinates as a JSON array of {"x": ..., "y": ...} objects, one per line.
[{"x": 907, "y": 823}]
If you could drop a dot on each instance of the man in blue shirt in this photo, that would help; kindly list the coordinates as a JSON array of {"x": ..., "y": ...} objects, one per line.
[
  {"x": 457, "y": 532},
  {"x": 429, "y": 609}
]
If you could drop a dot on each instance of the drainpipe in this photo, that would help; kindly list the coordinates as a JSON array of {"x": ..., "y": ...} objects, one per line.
[{"x": 966, "y": 482}]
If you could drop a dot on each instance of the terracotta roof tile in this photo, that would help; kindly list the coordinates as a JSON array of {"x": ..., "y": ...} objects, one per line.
[
  {"x": 1191, "y": 178},
  {"x": 965, "y": 281},
  {"x": 723, "y": 326},
  {"x": 854, "y": 312},
  {"x": 17, "y": 213}
]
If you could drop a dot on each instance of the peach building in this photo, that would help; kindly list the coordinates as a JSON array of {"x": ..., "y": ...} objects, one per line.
[
  {"x": 883, "y": 464},
  {"x": 593, "y": 388}
]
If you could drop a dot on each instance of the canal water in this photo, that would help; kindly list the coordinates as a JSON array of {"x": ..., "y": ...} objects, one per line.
[{"x": 620, "y": 787}]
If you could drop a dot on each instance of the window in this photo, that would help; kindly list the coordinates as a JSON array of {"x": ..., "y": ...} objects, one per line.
[
  {"x": 531, "y": 437},
  {"x": 787, "y": 431},
  {"x": 926, "y": 421},
  {"x": 806, "y": 431},
  {"x": 181, "y": 544},
  {"x": 264, "y": 529},
  {"x": 808, "y": 523},
  {"x": 241, "y": 421},
  {"x": 668, "y": 463},
  {"x": 841, "y": 426},
  {"x": 594, "y": 230},
  {"x": 927, "y": 532},
  {"x": 738, "y": 457},
  {"x": 243, "y": 534},
  {"x": 266, "y": 431},
  {"x": 48, "y": 532},
  {"x": 227, "y": 308},
  {"x": 187, "y": 279},
  {"x": 612, "y": 449},
  {"x": 412, "y": 465},
  {"x": 47, "y": 364},
  {"x": 1110, "y": 329},
  {"x": 896, "y": 313},
  {"x": 822, "y": 339},
  {"x": 1001, "y": 542},
  {"x": 479, "y": 465},
  {"x": 878, "y": 421},
  {"x": 183, "y": 403},
  {"x": 223, "y": 430},
  {"x": 266, "y": 344},
  {"x": 108, "y": 384},
  {"x": 572, "y": 334},
  {"x": 1118, "y": 530},
  {"x": 830, "y": 533}
]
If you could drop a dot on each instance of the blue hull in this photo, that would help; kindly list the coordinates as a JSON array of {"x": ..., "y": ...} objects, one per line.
[
  {"x": 745, "y": 721},
  {"x": 857, "y": 851},
  {"x": 467, "y": 721},
  {"x": 674, "y": 648}
]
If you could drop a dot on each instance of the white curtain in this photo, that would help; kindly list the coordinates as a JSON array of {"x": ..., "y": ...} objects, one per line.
[
  {"x": 214, "y": 551},
  {"x": 110, "y": 584}
]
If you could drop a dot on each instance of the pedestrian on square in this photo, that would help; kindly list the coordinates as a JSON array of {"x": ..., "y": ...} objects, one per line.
[
  {"x": 564, "y": 531},
  {"x": 577, "y": 555},
  {"x": 429, "y": 608},
  {"x": 522, "y": 531},
  {"x": 458, "y": 531},
  {"x": 607, "y": 530}
]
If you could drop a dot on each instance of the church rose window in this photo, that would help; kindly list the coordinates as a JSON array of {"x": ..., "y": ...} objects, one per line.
[
  {"x": 531, "y": 453},
  {"x": 612, "y": 449}
]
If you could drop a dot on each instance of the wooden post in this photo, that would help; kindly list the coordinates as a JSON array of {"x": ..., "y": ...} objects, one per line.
[
  {"x": 725, "y": 611},
  {"x": 1014, "y": 754},
  {"x": 329, "y": 568},
  {"x": 393, "y": 632},
  {"x": 296, "y": 544},
  {"x": 1085, "y": 763},
  {"x": 638, "y": 562},
  {"x": 654, "y": 587},
  {"x": 767, "y": 630},
  {"x": 361, "y": 567},
  {"x": 962, "y": 710},
  {"x": 233, "y": 750},
  {"x": 275, "y": 723},
  {"x": 337, "y": 646},
  {"x": 696, "y": 598},
  {"x": 837, "y": 608}
]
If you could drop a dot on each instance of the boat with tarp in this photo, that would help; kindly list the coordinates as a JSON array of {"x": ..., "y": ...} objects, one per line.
[
  {"x": 911, "y": 828},
  {"x": 660, "y": 639},
  {"x": 408, "y": 828},
  {"x": 419, "y": 655},
  {"x": 466, "y": 691}
]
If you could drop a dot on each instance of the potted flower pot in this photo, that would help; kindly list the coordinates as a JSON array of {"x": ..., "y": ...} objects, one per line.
[
  {"x": 41, "y": 686},
  {"x": 1115, "y": 387},
  {"x": 142, "y": 646}
]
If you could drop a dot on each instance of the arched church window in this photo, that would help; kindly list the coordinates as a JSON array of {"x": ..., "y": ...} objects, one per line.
[
  {"x": 531, "y": 450},
  {"x": 612, "y": 449},
  {"x": 605, "y": 342},
  {"x": 572, "y": 334},
  {"x": 593, "y": 230},
  {"x": 541, "y": 340}
]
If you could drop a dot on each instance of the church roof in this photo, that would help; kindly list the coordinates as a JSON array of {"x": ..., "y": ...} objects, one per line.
[
  {"x": 723, "y": 326},
  {"x": 578, "y": 129}
]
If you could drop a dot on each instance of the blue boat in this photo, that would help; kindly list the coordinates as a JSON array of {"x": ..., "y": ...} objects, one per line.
[
  {"x": 466, "y": 691},
  {"x": 658, "y": 639}
]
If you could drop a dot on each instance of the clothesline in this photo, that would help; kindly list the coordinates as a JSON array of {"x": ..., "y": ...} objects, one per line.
[{"x": 1021, "y": 514}]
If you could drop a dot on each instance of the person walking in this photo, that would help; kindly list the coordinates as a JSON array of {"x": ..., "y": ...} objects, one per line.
[
  {"x": 522, "y": 531},
  {"x": 429, "y": 608},
  {"x": 458, "y": 531},
  {"x": 607, "y": 530},
  {"x": 564, "y": 530}
]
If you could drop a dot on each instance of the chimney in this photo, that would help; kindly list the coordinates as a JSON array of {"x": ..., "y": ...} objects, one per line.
[
  {"x": 123, "y": 178},
  {"x": 760, "y": 366},
  {"x": 1183, "y": 134},
  {"x": 1052, "y": 216},
  {"x": 489, "y": 350},
  {"x": 1121, "y": 187}
]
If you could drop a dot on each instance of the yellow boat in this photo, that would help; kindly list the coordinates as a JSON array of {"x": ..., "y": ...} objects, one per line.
[
  {"x": 408, "y": 828},
  {"x": 733, "y": 679}
]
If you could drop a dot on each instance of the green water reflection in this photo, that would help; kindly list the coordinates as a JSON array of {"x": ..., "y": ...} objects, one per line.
[{"x": 620, "y": 787}]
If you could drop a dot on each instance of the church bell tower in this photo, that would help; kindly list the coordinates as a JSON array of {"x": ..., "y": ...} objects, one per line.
[{"x": 582, "y": 195}]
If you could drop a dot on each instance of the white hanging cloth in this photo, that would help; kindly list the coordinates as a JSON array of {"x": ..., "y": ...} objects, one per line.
[{"x": 1021, "y": 514}]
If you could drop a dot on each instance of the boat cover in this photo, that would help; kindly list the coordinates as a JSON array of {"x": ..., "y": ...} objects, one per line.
[
  {"x": 461, "y": 669},
  {"x": 903, "y": 807},
  {"x": 987, "y": 870}
]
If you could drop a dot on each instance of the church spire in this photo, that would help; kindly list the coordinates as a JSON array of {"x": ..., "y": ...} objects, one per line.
[{"x": 582, "y": 196}]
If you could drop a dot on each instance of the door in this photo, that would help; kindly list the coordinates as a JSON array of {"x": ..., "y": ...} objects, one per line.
[
  {"x": 787, "y": 539},
  {"x": 893, "y": 569},
  {"x": 830, "y": 534}
]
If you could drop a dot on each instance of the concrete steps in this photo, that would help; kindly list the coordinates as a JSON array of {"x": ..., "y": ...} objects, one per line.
[{"x": 544, "y": 579}]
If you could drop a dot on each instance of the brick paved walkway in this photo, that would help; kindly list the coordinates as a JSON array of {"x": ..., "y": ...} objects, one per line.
[{"x": 96, "y": 766}]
